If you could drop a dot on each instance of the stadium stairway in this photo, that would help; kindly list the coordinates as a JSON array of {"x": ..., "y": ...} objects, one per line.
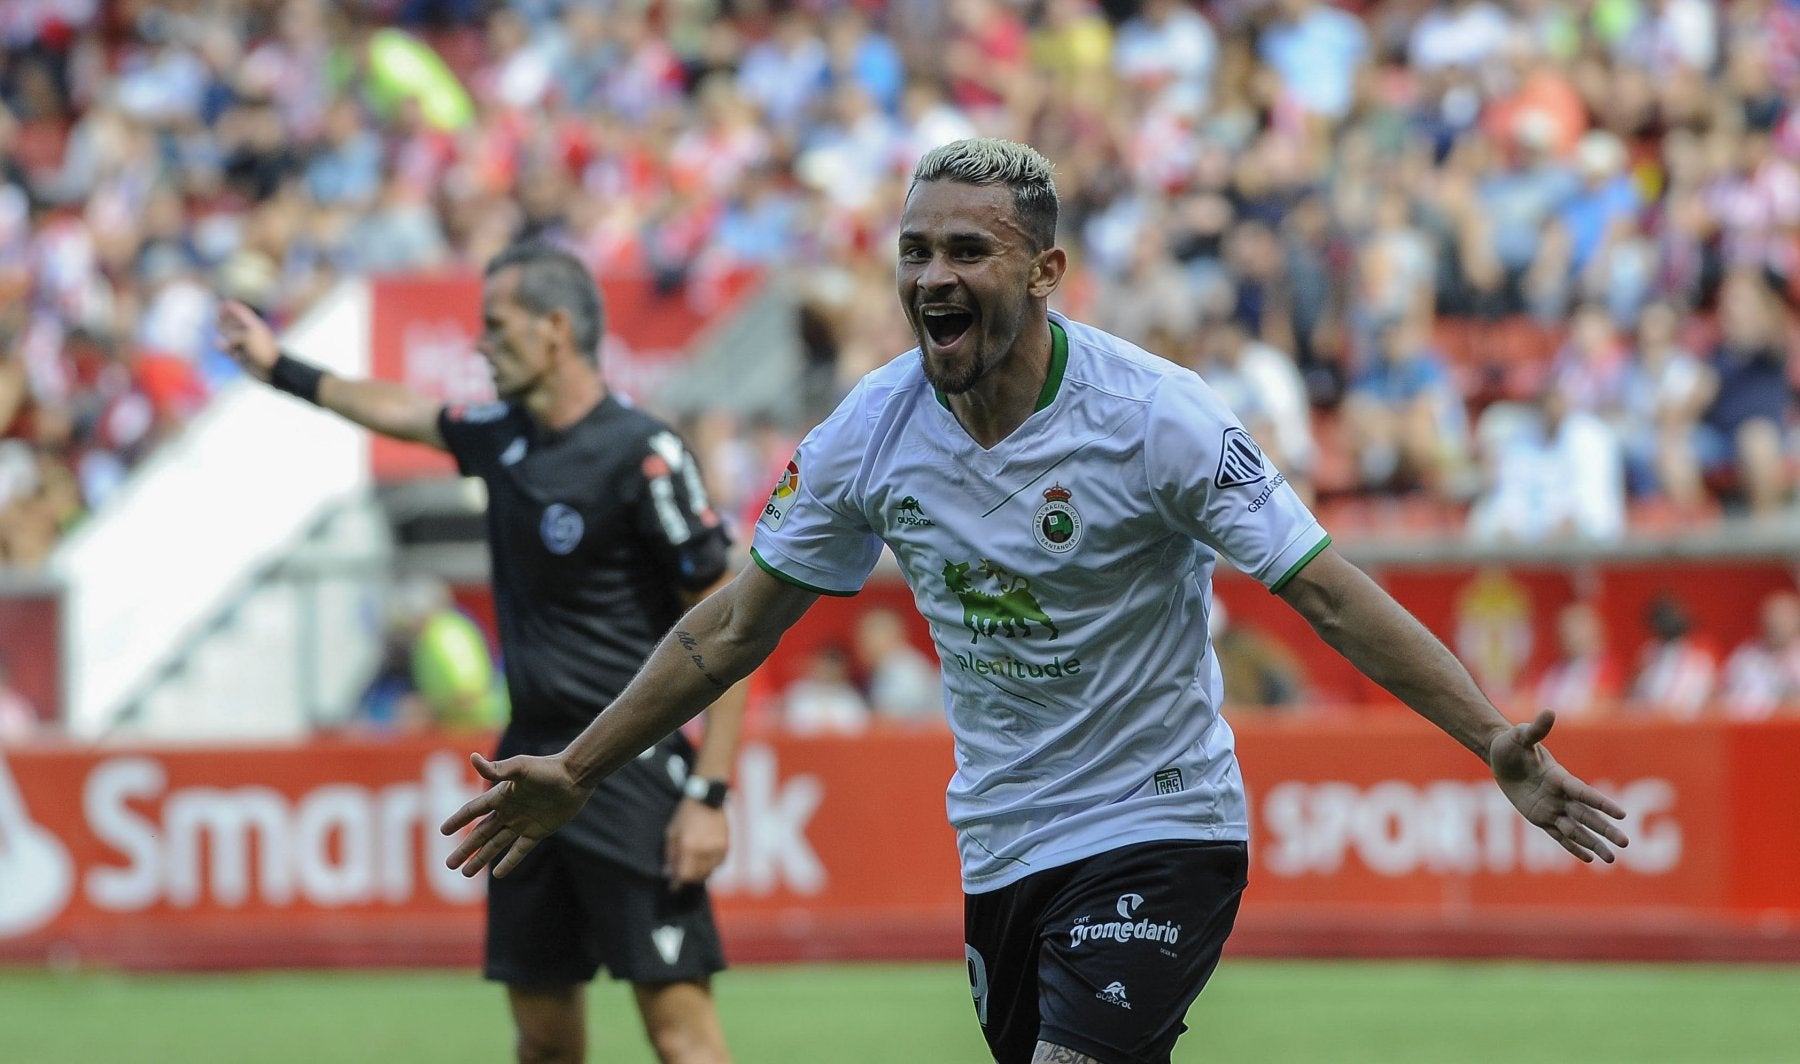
[{"x": 171, "y": 592}]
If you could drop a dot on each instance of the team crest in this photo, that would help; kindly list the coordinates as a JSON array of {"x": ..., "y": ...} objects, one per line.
[
  {"x": 561, "y": 528},
  {"x": 781, "y": 500},
  {"x": 1057, "y": 525}
]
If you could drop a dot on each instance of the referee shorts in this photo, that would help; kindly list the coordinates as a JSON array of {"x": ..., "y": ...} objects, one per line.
[{"x": 566, "y": 911}]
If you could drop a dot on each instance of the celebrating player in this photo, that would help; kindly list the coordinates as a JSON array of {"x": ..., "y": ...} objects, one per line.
[{"x": 1057, "y": 499}]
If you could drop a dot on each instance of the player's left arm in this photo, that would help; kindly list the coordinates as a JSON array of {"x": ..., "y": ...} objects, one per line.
[
  {"x": 699, "y": 835},
  {"x": 1387, "y": 644}
]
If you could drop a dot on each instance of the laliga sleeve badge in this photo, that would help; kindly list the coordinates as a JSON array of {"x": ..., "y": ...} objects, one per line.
[
  {"x": 1057, "y": 525},
  {"x": 781, "y": 500}
]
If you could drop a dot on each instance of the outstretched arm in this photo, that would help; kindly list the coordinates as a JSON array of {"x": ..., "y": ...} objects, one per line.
[
  {"x": 380, "y": 406},
  {"x": 1377, "y": 635},
  {"x": 716, "y": 644},
  {"x": 699, "y": 837}
]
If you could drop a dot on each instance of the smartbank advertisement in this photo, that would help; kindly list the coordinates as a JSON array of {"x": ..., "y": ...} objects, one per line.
[{"x": 328, "y": 852}]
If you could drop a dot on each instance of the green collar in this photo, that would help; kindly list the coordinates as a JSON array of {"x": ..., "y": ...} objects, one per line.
[{"x": 1059, "y": 363}]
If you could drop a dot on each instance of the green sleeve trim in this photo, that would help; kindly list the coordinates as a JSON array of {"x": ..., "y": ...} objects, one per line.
[
  {"x": 786, "y": 579},
  {"x": 1294, "y": 570}
]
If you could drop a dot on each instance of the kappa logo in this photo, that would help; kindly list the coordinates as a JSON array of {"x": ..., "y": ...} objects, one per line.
[
  {"x": 1011, "y": 610},
  {"x": 908, "y": 511},
  {"x": 1057, "y": 524},
  {"x": 668, "y": 942},
  {"x": 478, "y": 413},
  {"x": 1240, "y": 461},
  {"x": 1114, "y": 994},
  {"x": 514, "y": 451},
  {"x": 561, "y": 528}
]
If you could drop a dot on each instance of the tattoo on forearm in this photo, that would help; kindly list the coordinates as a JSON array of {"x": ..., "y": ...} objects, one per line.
[
  {"x": 1049, "y": 1054},
  {"x": 692, "y": 646}
]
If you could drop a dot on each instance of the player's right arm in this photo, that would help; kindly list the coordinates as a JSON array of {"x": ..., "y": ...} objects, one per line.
[
  {"x": 716, "y": 644},
  {"x": 380, "y": 406}
]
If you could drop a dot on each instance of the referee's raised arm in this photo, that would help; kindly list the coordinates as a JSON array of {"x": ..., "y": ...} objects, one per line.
[{"x": 380, "y": 406}]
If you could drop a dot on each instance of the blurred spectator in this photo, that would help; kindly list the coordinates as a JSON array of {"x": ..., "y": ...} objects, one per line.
[
  {"x": 1460, "y": 33},
  {"x": 1406, "y": 418},
  {"x": 1762, "y": 676},
  {"x": 1664, "y": 396},
  {"x": 904, "y": 685},
  {"x": 823, "y": 701},
  {"x": 1676, "y": 669},
  {"x": 1262, "y": 386},
  {"x": 1316, "y": 51},
  {"x": 1744, "y": 429},
  {"x": 1583, "y": 680},
  {"x": 1257, "y": 671},
  {"x": 1168, "y": 51},
  {"x": 1556, "y": 473}
]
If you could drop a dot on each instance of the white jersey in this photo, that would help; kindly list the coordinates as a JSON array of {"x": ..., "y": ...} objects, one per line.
[{"x": 1066, "y": 575}]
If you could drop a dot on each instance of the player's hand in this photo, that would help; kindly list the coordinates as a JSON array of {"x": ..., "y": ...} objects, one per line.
[
  {"x": 1571, "y": 812},
  {"x": 248, "y": 339},
  {"x": 696, "y": 843},
  {"x": 530, "y": 798}
]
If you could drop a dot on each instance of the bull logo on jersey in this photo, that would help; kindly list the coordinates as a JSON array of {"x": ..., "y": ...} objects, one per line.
[
  {"x": 1057, "y": 524},
  {"x": 1240, "y": 460},
  {"x": 1010, "y": 610}
]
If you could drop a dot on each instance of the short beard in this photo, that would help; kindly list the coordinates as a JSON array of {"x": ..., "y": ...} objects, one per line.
[{"x": 956, "y": 385}]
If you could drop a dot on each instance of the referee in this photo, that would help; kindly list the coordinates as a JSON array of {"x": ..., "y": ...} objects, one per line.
[{"x": 600, "y": 536}]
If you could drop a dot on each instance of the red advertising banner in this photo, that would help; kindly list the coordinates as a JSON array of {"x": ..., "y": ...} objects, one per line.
[
  {"x": 1371, "y": 836},
  {"x": 425, "y": 328}
]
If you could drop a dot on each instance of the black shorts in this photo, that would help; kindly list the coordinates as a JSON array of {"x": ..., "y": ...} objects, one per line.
[
  {"x": 566, "y": 911},
  {"x": 1103, "y": 956}
]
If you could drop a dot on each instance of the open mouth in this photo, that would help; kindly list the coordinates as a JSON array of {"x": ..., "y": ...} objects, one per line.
[{"x": 947, "y": 325}]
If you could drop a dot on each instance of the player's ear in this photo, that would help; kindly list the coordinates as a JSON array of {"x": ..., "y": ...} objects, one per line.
[
  {"x": 1047, "y": 271},
  {"x": 557, "y": 325}
]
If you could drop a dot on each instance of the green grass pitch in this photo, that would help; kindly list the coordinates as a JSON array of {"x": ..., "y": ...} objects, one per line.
[{"x": 1255, "y": 1011}]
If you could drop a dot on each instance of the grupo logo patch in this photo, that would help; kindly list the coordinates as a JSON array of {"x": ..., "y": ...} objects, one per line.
[{"x": 781, "y": 500}]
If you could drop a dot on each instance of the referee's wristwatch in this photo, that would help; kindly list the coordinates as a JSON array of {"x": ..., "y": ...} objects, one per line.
[{"x": 710, "y": 793}]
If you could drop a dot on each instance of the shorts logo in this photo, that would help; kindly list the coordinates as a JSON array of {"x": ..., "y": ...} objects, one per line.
[
  {"x": 1240, "y": 462},
  {"x": 668, "y": 942},
  {"x": 1114, "y": 994},
  {"x": 1057, "y": 525},
  {"x": 781, "y": 500},
  {"x": 1124, "y": 929},
  {"x": 561, "y": 528}
]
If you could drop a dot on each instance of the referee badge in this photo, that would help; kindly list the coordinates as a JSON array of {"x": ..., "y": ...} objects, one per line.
[
  {"x": 561, "y": 528},
  {"x": 1057, "y": 525}
]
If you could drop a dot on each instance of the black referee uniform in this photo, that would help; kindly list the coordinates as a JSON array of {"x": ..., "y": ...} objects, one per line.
[{"x": 595, "y": 532}]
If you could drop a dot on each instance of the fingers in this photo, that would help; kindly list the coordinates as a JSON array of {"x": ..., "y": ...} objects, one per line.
[
  {"x": 1589, "y": 796},
  {"x": 472, "y": 810},
  {"x": 520, "y": 849},
  {"x": 1539, "y": 727},
  {"x": 1596, "y": 820},
  {"x": 1581, "y": 842}
]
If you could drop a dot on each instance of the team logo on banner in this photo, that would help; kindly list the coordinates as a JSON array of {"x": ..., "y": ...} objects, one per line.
[
  {"x": 781, "y": 500},
  {"x": 561, "y": 528},
  {"x": 1057, "y": 524},
  {"x": 1240, "y": 462}
]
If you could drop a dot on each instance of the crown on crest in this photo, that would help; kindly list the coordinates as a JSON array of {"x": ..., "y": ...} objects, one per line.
[{"x": 1057, "y": 493}]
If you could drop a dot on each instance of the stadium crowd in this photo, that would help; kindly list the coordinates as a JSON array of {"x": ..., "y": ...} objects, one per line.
[{"x": 1516, "y": 270}]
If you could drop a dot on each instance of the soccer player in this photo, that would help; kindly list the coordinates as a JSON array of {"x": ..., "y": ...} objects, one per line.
[
  {"x": 600, "y": 536},
  {"x": 1057, "y": 499}
]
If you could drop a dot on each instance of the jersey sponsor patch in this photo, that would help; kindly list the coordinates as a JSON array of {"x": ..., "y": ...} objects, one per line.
[
  {"x": 1240, "y": 461},
  {"x": 561, "y": 528},
  {"x": 781, "y": 500}
]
